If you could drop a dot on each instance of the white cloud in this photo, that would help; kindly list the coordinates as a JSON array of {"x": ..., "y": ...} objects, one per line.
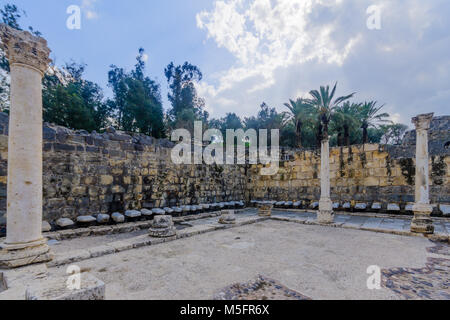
[
  {"x": 87, "y": 7},
  {"x": 286, "y": 47}
]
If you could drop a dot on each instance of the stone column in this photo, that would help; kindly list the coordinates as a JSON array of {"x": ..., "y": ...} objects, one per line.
[
  {"x": 28, "y": 59},
  {"x": 422, "y": 222},
  {"x": 325, "y": 214}
]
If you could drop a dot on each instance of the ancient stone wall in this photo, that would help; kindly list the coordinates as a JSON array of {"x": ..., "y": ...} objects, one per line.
[
  {"x": 367, "y": 173},
  {"x": 381, "y": 173},
  {"x": 103, "y": 173}
]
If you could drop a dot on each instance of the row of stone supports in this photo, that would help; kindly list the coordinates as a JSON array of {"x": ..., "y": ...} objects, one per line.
[{"x": 421, "y": 222}]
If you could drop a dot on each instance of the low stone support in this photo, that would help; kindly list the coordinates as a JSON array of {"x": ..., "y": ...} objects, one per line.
[
  {"x": 265, "y": 209},
  {"x": 162, "y": 227},
  {"x": 227, "y": 217}
]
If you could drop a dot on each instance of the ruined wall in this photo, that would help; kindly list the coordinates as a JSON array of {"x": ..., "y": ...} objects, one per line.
[
  {"x": 103, "y": 173},
  {"x": 371, "y": 172},
  {"x": 368, "y": 173}
]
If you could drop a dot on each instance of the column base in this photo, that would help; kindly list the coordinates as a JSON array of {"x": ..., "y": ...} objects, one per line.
[
  {"x": 422, "y": 223},
  {"x": 227, "y": 217},
  {"x": 265, "y": 210},
  {"x": 325, "y": 215},
  {"x": 15, "y": 258}
]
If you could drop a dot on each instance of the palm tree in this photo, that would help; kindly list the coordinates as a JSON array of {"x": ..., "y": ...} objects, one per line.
[
  {"x": 345, "y": 118},
  {"x": 370, "y": 117},
  {"x": 301, "y": 111},
  {"x": 323, "y": 101}
]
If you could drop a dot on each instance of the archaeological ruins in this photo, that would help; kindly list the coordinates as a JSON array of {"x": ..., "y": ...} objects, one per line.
[{"x": 99, "y": 200}]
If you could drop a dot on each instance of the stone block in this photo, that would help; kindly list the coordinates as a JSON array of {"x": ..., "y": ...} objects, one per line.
[
  {"x": 86, "y": 219},
  {"x": 64, "y": 223},
  {"x": 361, "y": 206},
  {"x": 118, "y": 217},
  {"x": 132, "y": 214},
  {"x": 103, "y": 218},
  {"x": 393, "y": 207},
  {"x": 106, "y": 180},
  {"x": 158, "y": 211},
  {"x": 347, "y": 206}
]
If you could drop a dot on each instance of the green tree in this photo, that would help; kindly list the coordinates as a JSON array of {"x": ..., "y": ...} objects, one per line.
[
  {"x": 370, "y": 117},
  {"x": 325, "y": 103},
  {"x": 344, "y": 121},
  {"x": 230, "y": 121},
  {"x": 136, "y": 105},
  {"x": 268, "y": 118},
  {"x": 186, "y": 105},
  {"x": 301, "y": 112},
  {"x": 77, "y": 104}
]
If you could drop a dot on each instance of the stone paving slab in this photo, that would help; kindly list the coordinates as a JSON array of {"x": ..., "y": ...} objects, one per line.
[
  {"x": 355, "y": 221},
  {"x": 372, "y": 223},
  {"x": 198, "y": 227},
  {"x": 376, "y": 224}
]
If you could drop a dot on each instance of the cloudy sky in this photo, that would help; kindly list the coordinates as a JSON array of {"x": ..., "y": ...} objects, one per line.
[{"x": 266, "y": 50}]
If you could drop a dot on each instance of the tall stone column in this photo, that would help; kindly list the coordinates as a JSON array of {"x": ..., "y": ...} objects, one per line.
[
  {"x": 325, "y": 214},
  {"x": 422, "y": 222},
  {"x": 28, "y": 59}
]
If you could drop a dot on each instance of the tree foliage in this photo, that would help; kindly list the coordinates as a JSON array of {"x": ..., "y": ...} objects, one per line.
[
  {"x": 136, "y": 105},
  {"x": 186, "y": 105},
  {"x": 76, "y": 104}
]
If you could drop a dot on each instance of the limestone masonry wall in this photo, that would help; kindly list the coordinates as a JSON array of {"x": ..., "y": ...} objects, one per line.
[
  {"x": 366, "y": 173},
  {"x": 103, "y": 173}
]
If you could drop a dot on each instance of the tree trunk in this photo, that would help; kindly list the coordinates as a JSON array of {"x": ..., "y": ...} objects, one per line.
[
  {"x": 319, "y": 135},
  {"x": 365, "y": 136},
  {"x": 325, "y": 130},
  {"x": 339, "y": 139},
  {"x": 347, "y": 135},
  {"x": 299, "y": 134}
]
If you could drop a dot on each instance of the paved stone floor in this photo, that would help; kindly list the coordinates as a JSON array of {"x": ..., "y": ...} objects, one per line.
[
  {"x": 260, "y": 289},
  {"x": 400, "y": 223},
  {"x": 297, "y": 261},
  {"x": 431, "y": 282}
]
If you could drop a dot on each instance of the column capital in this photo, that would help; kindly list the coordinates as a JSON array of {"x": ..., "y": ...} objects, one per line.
[
  {"x": 21, "y": 47},
  {"x": 423, "y": 121}
]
